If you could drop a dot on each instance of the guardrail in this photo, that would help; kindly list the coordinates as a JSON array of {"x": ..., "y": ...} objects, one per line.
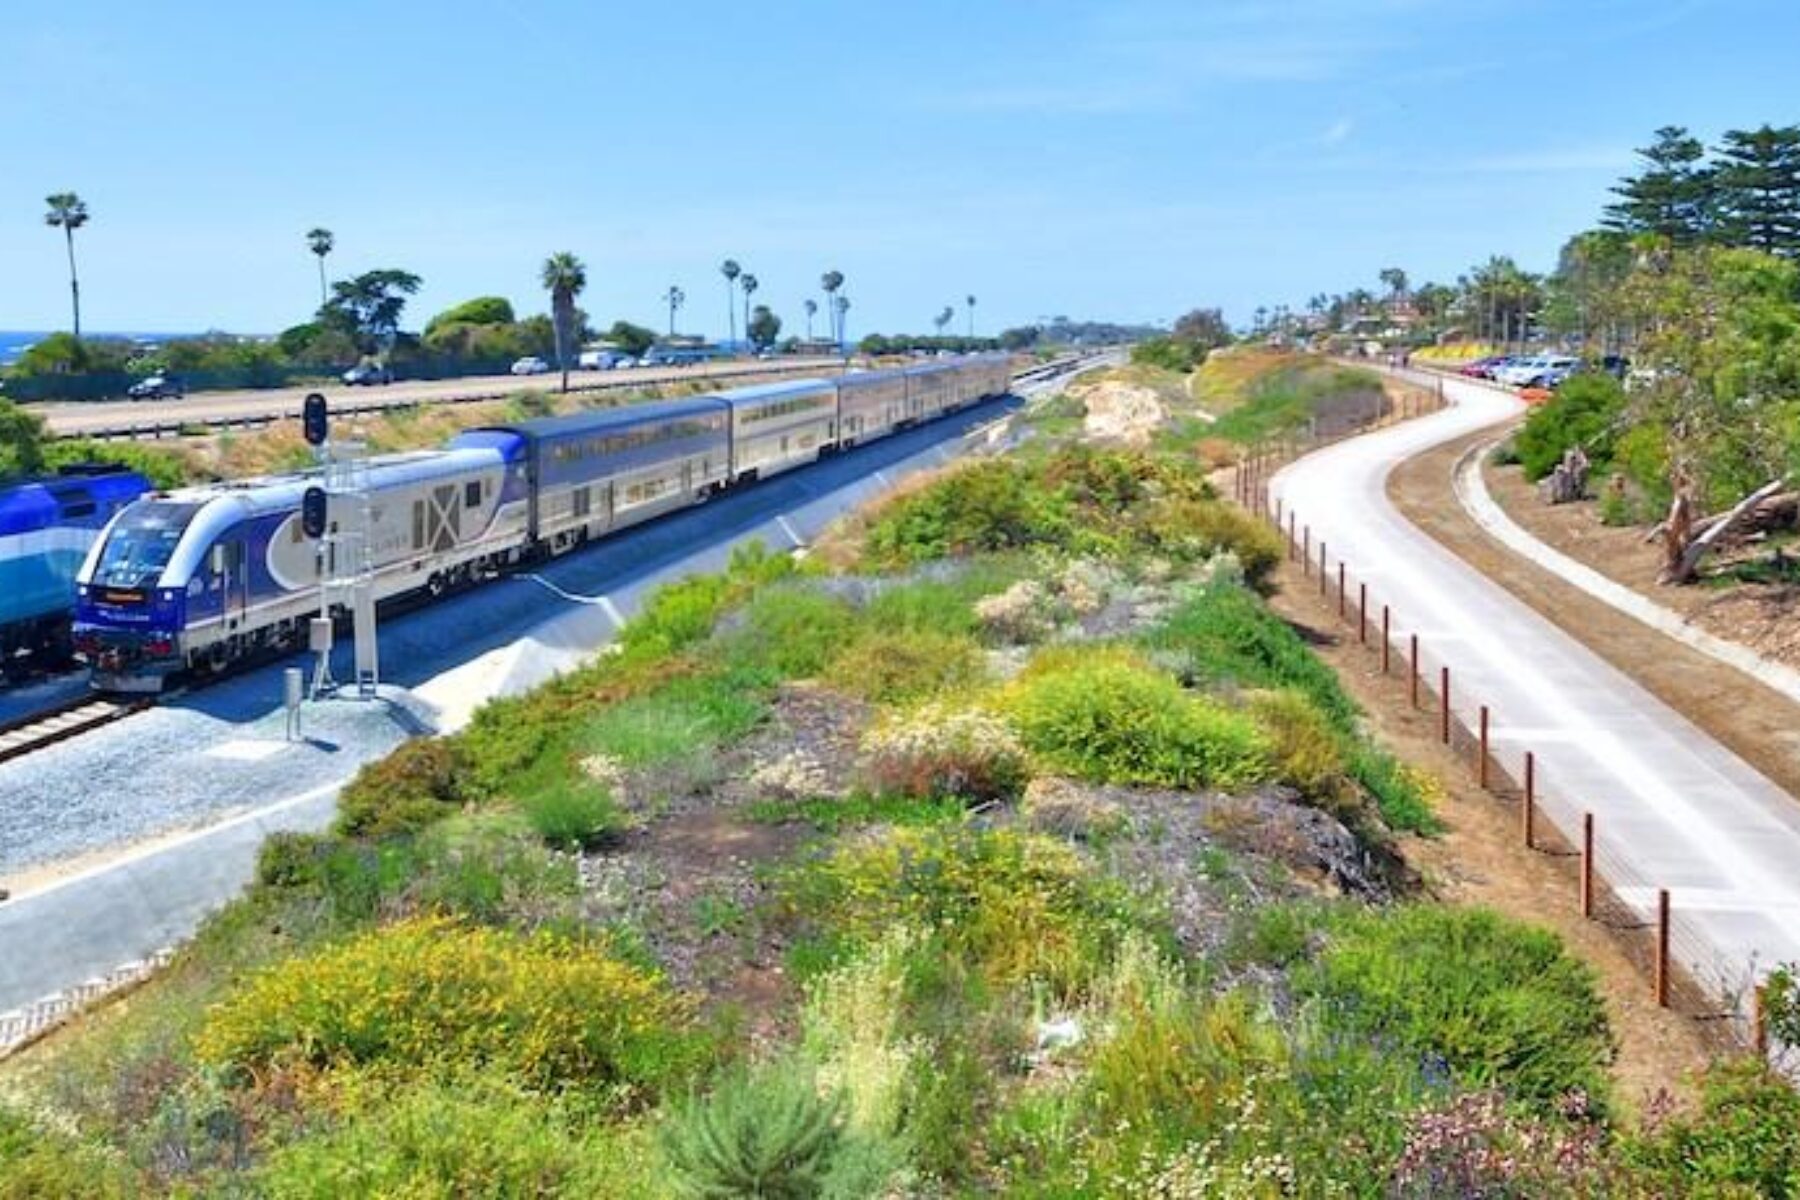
[{"x": 203, "y": 425}]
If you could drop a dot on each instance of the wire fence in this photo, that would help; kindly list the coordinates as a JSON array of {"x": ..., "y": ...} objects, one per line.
[{"x": 1687, "y": 970}]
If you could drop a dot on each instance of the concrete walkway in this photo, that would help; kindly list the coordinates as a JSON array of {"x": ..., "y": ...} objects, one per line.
[{"x": 1672, "y": 808}]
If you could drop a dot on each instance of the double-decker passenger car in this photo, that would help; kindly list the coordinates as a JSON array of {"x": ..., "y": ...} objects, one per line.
[
  {"x": 203, "y": 576},
  {"x": 46, "y": 527}
]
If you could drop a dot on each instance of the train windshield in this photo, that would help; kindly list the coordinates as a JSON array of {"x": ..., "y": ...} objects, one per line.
[{"x": 141, "y": 544}]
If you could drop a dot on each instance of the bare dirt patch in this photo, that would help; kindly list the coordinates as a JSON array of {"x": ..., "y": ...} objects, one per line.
[{"x": 1478, "y": 860}]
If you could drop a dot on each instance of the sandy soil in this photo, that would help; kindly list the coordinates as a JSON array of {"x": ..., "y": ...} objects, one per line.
[
  {"x": 1479, "y": 860},
  {"x": 1757, "y": 615}
]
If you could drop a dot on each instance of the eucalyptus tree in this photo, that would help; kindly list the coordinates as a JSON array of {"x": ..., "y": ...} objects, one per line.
[
  {"x": 564, "y": 277},
  {"x": 730, "y": 270},
  {"x": 321, "y": 242},
  {"x": 748, "y": 283},
  {"x": 69, "y": 212},
  {"x": 674, "y": 298}
]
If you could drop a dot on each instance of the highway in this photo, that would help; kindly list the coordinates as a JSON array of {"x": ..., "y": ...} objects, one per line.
[
  {"x": 70, "y": 419},
  {"x": 1672, "y": 808}
]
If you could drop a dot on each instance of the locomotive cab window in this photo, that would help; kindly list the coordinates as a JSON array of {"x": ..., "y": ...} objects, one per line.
[{"x": 472, "y": 494}]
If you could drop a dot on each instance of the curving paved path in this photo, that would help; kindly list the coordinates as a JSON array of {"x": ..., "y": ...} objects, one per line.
[{"x": 1673, "y": 809}]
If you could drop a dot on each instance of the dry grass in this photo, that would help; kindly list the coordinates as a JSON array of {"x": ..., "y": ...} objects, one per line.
[{"x": 1223, "y": 381}]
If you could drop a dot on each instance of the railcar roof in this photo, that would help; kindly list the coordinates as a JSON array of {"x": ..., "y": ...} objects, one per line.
[
  {"x": 758, "y": 392},
  {"x": 575, "y": 424}
]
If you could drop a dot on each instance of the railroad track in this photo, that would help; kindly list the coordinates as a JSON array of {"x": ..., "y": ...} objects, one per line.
[{"x": 21, "y": 737}]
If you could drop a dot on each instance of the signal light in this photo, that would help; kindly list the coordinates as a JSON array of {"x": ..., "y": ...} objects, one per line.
[
  {"x": 314, "y": 422},
  {"x": 313, "y": 510}
]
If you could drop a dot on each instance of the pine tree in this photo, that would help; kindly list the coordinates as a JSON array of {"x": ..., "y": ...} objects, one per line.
[
  {"x": 1759, "y": 189},
  {"x": 1672, "y": 198}
]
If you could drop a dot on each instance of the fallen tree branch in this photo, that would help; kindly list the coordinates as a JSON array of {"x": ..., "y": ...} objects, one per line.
[{"x": 1697, "y": 545}]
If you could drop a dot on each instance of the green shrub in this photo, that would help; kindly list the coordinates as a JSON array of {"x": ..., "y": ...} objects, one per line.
[
  {"x": 1743, "y": 1141},
  {"x": 936, "y": 751},
  {"x": 682, "y": 613},
  {"x": 892, "y": 666},
  {"x": 1585, "y": 411},
  {"x": 428, "y": 994},
  {"x": 1502, "y": 1004},
  {"x": 791, "y": 630},
  {"x": 1169, "y": 354},
  {"x": 1227, "y": 635},
  {"x": 288, "y": 859},
  {"x": 1115, "y": 722},
  {"x": 1192, "y": 529},
  {"x": 44, "y": 1164},
  {"x": 1404, "y": 795},
  {"x": 767, "y": 1134},
  {"x": 1011, "y": 906},
  {"x": 686, "y": 716},
  {"x": 473, "y": 1136},
  {"x": 163, "y": 467},
  {"x": 420, "y": 782},
  {"x": 992, "y": 505},
  {"x": 1304, "y": 747},
  {"x": 574, "y": 814}
]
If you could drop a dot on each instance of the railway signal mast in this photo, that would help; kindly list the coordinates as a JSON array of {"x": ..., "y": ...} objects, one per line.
[{"x": 339, "y": 516}]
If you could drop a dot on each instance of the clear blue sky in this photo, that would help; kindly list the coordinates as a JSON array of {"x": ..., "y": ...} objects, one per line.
[{"x": 1120, "y": 160}]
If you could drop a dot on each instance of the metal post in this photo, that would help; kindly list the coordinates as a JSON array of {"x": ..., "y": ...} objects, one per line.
[
  {"x": 1413, "y": 686},
  {"x": 1483, "y": 773},
  {"x": 1587, "y": 864},
  {"x": 1306, "y": 551},
  {"x": 293, "y": 689},
  {"x": 1292, "y": 540},
  {"x": 1387, "y": 642},
  {"x": 1662, "y": 947},
  {"x": 1529, "y": 815},
  {"x": 1340, "y": 589},
  {"x": 1324, "y": 583},
  {"x": 1362, "y": 613},
  {"x": 1444, "y": 705}
]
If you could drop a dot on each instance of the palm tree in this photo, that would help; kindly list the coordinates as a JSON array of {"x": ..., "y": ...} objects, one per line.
[
  {"x": 730, "y": 270},
  {"x": 811, "y": 306},
  {"x": 830, "y": 282},
  {"x": 748, "y": 283},
  {"x": 564, "y": 277},
  {"x": 69, "y": 212},
  {"x": 674, "y": 298},
  {"x": 839, "y": 306},
  {"x": 970, "y": 302},
  {"x": 943, "y": 319},
  {"x": 320, "y": 242}
]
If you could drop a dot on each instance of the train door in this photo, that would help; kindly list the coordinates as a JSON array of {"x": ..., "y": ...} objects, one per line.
[{"x": 231, "y": 577}]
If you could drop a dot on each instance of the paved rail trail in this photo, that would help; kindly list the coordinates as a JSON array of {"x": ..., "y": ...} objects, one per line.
[{"x": 1668, "y": 801}]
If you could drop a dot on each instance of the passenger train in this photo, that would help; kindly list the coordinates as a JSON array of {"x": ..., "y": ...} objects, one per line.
[
  {"x": 199, "y": 578},
  {"x": 46, "y": 528}
]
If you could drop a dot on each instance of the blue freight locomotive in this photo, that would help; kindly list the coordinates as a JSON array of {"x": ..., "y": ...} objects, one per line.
[
  {"x": 202, "y": 577},
  {"x": 46, "y": 527}
]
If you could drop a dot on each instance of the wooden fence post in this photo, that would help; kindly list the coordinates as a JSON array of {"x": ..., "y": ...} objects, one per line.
[
  {"x": 1293, "y": 542},
  {"x": 1662, "y": 948},
  {"x": 1387, "y": 642},
  {"x": 1444, "y": 703},
  {"x": 1324, "y": 584},
  {"x": 1306, "y": 551},
  {"x": 1483, "y": 773},
  {"x": 1413, "y": 686},
  {"x": 1587, "y": 864},
  {"x": 1362, "y": 614},
  {"x": 1529, "y": 815},
  {"x": 1340, "y": 589}
]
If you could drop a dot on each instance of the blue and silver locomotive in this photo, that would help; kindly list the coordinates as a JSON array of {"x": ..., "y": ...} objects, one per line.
[
  {"x": 201, "y": 577},
  {"x": 46, "y": 528}
]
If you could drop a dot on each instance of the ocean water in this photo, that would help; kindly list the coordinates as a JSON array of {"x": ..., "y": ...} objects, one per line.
[{"x": 14, "y": 343}]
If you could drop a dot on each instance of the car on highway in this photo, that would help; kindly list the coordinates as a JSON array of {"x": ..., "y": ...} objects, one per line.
[
  {"x": 602, "y": 360},
  {"x": 156, "y": 387},
  {"x": 369, "y": 374},
  {"x": 531, "y": 364}
]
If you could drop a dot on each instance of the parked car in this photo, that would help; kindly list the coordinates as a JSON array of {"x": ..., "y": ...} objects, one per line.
[
  {"x": 1533, "y": 371},
  {"x": 531, "y": 364},
  {"x": 368, "y": 374},
  {"x": 156, "y": 387},
  {"x": 1483, "y": 368}
]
